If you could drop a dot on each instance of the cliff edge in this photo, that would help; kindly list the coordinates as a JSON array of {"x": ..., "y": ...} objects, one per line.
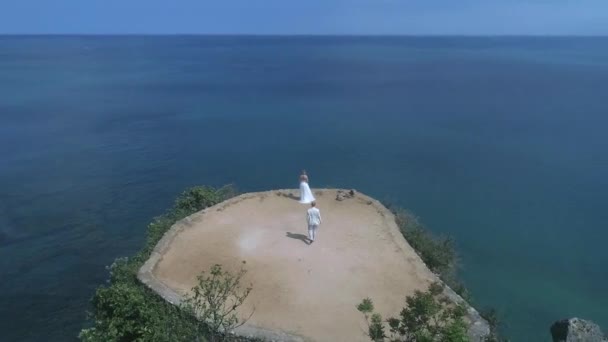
[{"x": 301, "y": 292}]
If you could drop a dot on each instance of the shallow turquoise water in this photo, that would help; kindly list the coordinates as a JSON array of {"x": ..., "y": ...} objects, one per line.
[{"x": 499, "y": 142}]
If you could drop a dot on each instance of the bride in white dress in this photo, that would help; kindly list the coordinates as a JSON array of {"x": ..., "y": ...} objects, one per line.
[{"x": 305, "y": 193}]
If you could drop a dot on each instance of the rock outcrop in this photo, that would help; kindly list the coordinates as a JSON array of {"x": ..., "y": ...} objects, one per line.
[
  {"x": 576, "y": 330},
  {"x": 266, "y": 230},
  {"x": 343, "y": 194}
]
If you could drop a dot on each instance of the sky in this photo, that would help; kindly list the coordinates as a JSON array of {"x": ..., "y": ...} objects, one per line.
[{"x": 335, "y": 17}]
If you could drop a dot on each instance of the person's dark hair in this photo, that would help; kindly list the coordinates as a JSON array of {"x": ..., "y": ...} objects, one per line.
[{"x": 313, "y": 204}]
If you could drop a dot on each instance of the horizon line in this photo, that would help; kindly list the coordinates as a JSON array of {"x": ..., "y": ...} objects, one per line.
[{"x": 349, "y": 35}]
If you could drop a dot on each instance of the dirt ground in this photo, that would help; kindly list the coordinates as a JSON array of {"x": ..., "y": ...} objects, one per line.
[{"x": 307, "y": 291}]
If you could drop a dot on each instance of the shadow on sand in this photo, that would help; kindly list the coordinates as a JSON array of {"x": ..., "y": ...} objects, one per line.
[
  {"x": 289, "y": 195},
  {"x": 300, "y": 237}
]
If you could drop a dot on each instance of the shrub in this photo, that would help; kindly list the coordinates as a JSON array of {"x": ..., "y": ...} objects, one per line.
[
  {"x": 375, "y": 326},
  {"x": 427, "y": 317},
  {"x": 196, "y": 198},
  {"x": 131, "y": 313},
  {"x": 125, "y": 309},
  {"x": 438, "y": 253},
  {"x": 215, "y": 300}
]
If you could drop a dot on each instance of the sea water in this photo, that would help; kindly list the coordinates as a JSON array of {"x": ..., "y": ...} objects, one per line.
[{"x": 498, "y": 142}]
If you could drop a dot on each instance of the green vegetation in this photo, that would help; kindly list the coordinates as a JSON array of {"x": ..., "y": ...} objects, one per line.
[
  {"x": 428, "y": 317},
  {"x": 439, "y": 254},
  {"x": 215, "y": 300},
  {"x": 126, "y": 310}
]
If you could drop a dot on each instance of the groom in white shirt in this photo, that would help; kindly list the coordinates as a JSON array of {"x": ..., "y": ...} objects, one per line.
[{"x": 314, "y": 220}]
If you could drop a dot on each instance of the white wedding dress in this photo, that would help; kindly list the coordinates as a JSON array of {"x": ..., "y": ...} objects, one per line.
[{"x": 305, "y": 193}]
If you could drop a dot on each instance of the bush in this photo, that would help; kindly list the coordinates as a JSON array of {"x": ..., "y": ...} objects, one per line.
[
  {"x": 427, "y": 317},
  {"x": 215, "y": 300},
  {"x": 126, "y": 310},
  {"x": 130, "y": 313},
  {"x": 438, "y": 253},
  {"x": 196, "y": 198},
  {"x": 375, "y": 325}
]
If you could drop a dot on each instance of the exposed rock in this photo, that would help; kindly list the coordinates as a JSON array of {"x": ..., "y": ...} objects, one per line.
[
  {"x": 576, "y": 330},
  {"x": 479, "y": 329},
  {"x": 343, "y": 194}
]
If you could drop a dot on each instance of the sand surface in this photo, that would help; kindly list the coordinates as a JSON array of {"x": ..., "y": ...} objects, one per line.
[{"x": 307, "y": 291}]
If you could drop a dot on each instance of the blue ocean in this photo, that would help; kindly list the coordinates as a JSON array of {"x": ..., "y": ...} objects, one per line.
[{"x": 499, "y": 142}]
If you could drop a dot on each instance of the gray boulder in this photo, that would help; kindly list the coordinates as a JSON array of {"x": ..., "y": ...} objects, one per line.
[{"x": 576, "y": 330}]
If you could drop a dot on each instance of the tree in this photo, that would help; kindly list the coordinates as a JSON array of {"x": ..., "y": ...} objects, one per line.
[
  {"x": 215, "y": 300},
  {"x": 427, "y": 317}
]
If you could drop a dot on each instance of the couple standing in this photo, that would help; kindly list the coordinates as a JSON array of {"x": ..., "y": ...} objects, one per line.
[{"x": 313, "y": 216}]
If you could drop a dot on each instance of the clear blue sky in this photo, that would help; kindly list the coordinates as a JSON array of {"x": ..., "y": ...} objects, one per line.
[{"x": 473, "y": 17}]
